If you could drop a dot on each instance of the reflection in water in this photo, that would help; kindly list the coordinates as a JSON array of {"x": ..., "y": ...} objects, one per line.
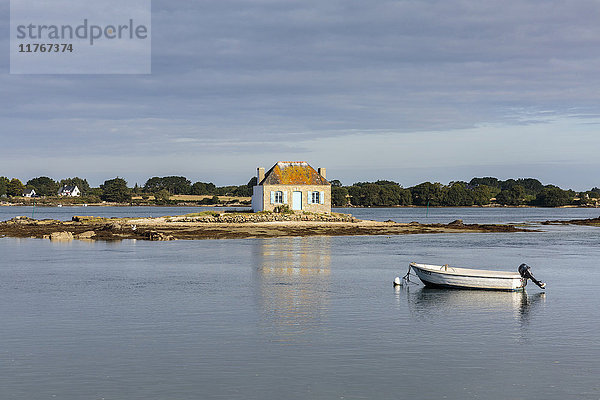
[
  {"x": 527, "y": 310},
  {"x": 293, "y": 283},
  {"x": 425, "y": 302}
]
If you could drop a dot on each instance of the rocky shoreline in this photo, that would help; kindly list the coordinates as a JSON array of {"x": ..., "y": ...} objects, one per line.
[
  {"x": 584, "y": 222},
  {"x": 214, "y": 225}
]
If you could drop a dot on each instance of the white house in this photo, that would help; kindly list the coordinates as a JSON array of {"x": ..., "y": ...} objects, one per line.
[
  {"x": 29, "y": 193},
  {"x": 72, "y": 191}
]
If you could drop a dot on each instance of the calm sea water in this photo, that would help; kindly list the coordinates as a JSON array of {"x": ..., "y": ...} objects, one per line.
[{"x": 302, "y": 318}]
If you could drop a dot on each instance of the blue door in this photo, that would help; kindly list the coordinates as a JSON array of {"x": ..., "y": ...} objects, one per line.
[{"x": 297, "y": 201}]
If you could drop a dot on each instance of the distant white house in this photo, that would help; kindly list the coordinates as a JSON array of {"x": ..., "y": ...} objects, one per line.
[
  {"x": 71, "y": 191},
  {"x": 29, "y": 193}
]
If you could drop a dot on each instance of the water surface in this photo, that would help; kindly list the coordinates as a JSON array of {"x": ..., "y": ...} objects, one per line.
[{"x": 298, "y": 318}]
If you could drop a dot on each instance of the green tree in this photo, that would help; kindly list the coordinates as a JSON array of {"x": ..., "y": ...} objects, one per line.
[
  {"x": 512, "y": 196},
  {"x": 97, "y": 192},
  {"x": 370, "y": 195},
  {"x": 226, "y": 190},
  {"x": 458, "y": 195},
  {"x": 389, "y": 195},
  {"x": 210, "y": 200},
  {"x": 178, "y": 185},
  {"x": 137, "y": 189},
  {"x": 405, "y": 197},
  {"x": 339, "y": 196},
  {"x": 15, "y": 187},
  {"x": 162, "y": 196},
  {"x": 487, "y": 181},
  {"x": 355, "y": 194},
  {"x": 173, "y": 184},
  {"x": 154, "y": 185},
  {"x": 380, "y": 193},
  {"x": 483, "y": 194},
  {"x": 115, "y": 190},
  {"x": 82, "y": 184},
  {"x": 335, "y": 183},
  {"x": 383, "y": 182},
  {"x": 531, "y": 185},
  {"x": 508, "y": 184},
  {"x": 427, "y": 193},
  {"x": 585, "y": 198},
  {"x": 43, "y": 186},
  {"x": 552, "y": 196},
  {"x": 247, "y": 189},
  {"x": 243, "y": 191},
  {"x": 202, "y": 188},
  {"x": 394, "y": 195},
  {"x": 4, "y": 181}
]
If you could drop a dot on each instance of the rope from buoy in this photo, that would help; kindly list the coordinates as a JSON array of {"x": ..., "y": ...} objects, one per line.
[{"x": 405, "y": 278}]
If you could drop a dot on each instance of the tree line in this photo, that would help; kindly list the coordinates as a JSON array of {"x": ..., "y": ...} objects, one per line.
[
  {"x": 117, "y": 189},
  {"x": 381, "y": 193},
  {"x": 182, "y": 185},
  {"x": 42, "y": 185},
  {"x": 478, "y": 191}
]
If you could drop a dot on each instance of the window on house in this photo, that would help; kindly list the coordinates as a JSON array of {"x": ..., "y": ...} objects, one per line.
[
  {"x": 279, "y": 197},
  {"x": 315, "y": 198}
]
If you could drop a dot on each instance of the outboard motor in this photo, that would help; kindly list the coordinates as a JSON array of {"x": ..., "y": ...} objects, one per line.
[{"x": 525, "y": 272}]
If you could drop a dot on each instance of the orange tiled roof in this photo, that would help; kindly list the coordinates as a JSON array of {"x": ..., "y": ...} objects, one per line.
[{"x": 293, "y": 173}]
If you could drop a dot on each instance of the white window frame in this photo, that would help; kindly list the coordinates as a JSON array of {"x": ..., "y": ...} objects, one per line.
[
  {"x": 315, "y": 198},
  {"x": 278, "y": 197}
]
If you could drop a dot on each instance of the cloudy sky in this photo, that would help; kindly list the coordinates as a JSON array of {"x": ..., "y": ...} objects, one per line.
[{"x": 401, "y": 90}]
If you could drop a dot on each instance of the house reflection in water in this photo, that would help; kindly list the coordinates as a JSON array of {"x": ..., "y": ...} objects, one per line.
[{"x": 293, "y": 279}]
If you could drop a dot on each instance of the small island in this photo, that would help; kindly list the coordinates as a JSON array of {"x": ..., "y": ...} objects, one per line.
[{"x": 228, "y": 225}]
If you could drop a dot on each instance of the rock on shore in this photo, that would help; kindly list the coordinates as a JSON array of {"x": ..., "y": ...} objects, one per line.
[{"x": 586, "y": 222}]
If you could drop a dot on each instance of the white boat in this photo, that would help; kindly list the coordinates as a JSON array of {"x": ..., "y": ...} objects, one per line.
[{"x": 446, "y": 276}]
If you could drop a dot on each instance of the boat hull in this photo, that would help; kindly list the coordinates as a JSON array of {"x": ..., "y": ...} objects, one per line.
[{"x": 464, "y": 278}]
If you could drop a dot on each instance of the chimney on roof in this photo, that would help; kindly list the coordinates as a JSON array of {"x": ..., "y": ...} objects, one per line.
[
  {"x": 323, "y": 172},
  {"x": 260, "y": 174}
]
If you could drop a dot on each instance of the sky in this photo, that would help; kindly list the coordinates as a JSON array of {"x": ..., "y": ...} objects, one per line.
[{"x": 409, "y": 91}]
